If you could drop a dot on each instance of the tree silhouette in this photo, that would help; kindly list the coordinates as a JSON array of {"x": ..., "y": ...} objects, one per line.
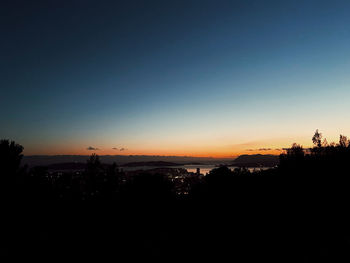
[
  {"x": 293, "y": 157},
  {"x": 296, "y": 150},
  {"x": 10, "y": 158},
  {"x": 93, "y": 163},
  {"x": 325, "y": 143},
  {"x": 343, "y": 141},
  {"x": 317, "y": 139},
  {"x": 221, "y": 173}
]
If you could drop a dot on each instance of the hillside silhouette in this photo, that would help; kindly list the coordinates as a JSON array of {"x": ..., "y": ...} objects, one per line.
[
  {"x": 256, "y": 160},
  {"x": 296, "y": 211}
]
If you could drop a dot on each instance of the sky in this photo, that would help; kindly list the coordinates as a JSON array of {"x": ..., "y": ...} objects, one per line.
[{"x": 194, "y": 78}]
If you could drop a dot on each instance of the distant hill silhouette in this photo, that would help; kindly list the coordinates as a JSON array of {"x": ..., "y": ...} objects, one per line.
[
  {"x": 155, "y": 163},
  {"x": 256, "y": 160},
  {"x": 45, "y": 160}
]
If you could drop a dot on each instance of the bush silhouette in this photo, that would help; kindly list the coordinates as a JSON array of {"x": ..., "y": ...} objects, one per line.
[
  {"x": 10, "y": 157},
  {"x": 295, "y": 212}
]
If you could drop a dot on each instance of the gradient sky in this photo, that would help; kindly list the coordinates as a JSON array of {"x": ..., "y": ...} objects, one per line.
[{"x": 200, "y": 78}]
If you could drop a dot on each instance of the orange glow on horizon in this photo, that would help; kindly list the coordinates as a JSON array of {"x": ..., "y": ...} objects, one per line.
[
  {"x": 212, "y": 149},
  {"x": 198, "y": 153}
]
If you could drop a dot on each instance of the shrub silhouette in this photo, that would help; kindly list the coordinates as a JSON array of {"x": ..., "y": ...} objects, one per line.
[
  {"x": 10, "y": 157},
  {"x": 296, "y": 212}
]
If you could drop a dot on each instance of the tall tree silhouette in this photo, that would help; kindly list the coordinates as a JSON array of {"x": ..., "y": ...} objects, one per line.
[
  {"x": 317, "y": 139},
  {"x": 343, "y": 141},
  {"x": 10, "y": 158}
]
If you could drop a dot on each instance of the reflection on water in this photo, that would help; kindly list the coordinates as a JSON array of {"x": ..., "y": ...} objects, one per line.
[{"x": 204, "y": 169}]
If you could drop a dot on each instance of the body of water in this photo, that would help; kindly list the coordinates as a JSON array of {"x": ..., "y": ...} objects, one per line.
[{"x": 204, "y": 168}]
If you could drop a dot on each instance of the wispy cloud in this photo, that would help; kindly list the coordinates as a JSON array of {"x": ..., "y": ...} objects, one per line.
[
  {"x": 117, "y": 149},
  {"x": 265, "y": 149},
  {"x": 90, "y": 148},
  {"x": 260, "y": 149}
]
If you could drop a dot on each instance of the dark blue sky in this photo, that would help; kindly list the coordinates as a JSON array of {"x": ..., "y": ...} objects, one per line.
[{"x": 172, "y": 77}]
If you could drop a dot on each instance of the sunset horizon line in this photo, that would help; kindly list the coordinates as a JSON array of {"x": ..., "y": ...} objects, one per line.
[{"x": 272, "y": 152}]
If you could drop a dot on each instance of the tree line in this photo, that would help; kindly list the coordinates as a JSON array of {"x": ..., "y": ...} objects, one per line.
[{"x": 295, "y": 212}]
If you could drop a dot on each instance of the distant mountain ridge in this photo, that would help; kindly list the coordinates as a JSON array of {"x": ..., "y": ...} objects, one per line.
[
  {"x": 155, "y": 163},
  {"x": 78, "y": 161},
  {"x": 256, "y": 160},
  {"x": 45, "y": 160}
]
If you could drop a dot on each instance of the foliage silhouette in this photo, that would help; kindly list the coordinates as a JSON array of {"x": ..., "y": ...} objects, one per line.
[
  {"x": 295, "y": 212},
  {"x": 10, "y": 157},
  {"x": 317, "y": 139}
]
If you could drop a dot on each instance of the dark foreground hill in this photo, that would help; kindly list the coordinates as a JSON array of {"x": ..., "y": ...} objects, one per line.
[
  {"x": 73, "y": 166},
  {"x": 296, "y": 212}
]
